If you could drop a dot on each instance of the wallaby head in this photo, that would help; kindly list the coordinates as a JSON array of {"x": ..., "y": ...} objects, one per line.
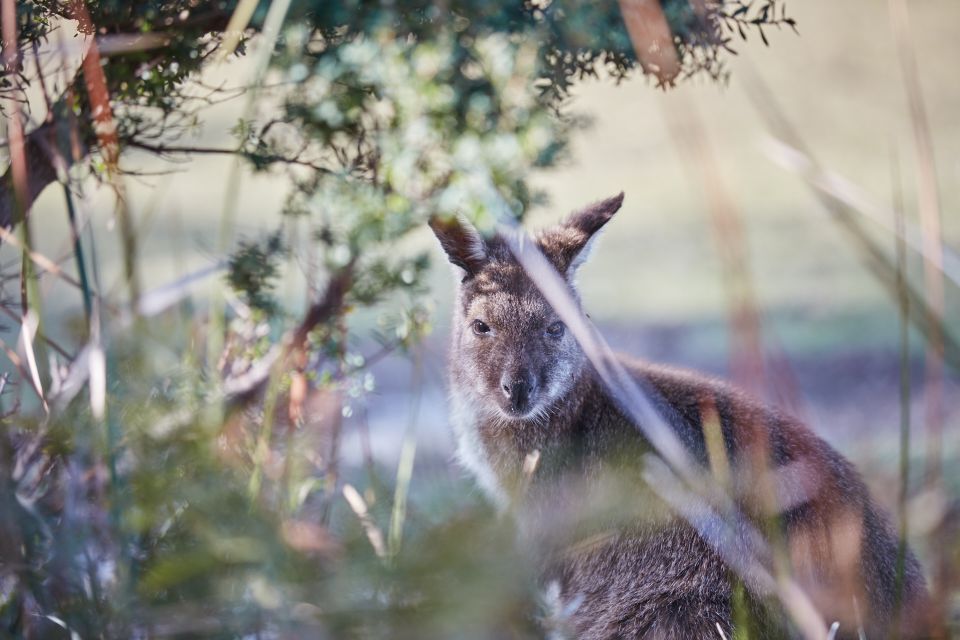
[{"x": 510, "y": 350}]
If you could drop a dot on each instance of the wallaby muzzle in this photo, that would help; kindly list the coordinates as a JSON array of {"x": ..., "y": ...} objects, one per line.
[{"x": 519, "y": 388}]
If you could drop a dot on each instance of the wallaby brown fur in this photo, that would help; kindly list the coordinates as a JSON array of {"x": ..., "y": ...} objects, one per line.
[{"x": 616, "y": 560}]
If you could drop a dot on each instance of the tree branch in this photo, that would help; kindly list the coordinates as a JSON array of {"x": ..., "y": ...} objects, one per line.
[
  {"x": 267, "y": 158},
  {"x": 294, "y": 350}
]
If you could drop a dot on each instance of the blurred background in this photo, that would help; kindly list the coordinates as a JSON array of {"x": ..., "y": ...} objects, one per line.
[{"x": 730, "y": 249}]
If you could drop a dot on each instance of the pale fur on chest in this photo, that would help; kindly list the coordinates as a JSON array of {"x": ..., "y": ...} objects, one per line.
[{"x": 465, "y": 418}]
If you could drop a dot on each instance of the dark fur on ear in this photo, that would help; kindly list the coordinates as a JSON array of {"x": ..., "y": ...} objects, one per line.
[
  {"x": 565, "y": 244},
  {"x": 462, "y": 243}
]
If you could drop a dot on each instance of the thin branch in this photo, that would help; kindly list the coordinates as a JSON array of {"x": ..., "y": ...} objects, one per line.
[
  {"x": 294, "y": 349},
  {"x": 161, "y": 149},
  {"x": 51, "y": 267}
]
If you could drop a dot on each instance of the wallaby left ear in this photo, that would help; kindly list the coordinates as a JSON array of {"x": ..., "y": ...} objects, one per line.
[
  {"x": 567, "y": 245},
  {"x": 462, "y": 243}
]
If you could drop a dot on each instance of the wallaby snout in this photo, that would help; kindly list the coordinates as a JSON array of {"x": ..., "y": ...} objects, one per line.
[{"x": 520, "y": 388}]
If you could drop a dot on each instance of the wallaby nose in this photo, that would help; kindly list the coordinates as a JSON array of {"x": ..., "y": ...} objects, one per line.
[{"x": 518, "y": 388}]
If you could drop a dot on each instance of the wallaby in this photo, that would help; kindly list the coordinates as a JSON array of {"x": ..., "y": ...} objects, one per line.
[{"x": 522, "y": 387}]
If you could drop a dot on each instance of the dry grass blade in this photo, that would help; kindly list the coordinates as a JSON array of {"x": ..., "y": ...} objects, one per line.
[
  {"x": 98, "y": 382},
  {"x": 46, "y": 339},
  {"x": 255, "y": 376},
  {"x": 238, "y": 22},
  {"x": 834, "y": 628},
  {"x": 17, "y": 362},
  {"x": 72, "y": 382},
  {"x": 105, "y": 127},
  {"x": 924, "y": 316},
  {"x": 408, "y": 450},
  {"x": 723, "y": 636},
  {"x": 113, "y": 44},
  {"x": 746, "y": 359},
  {"x": 359, "y": 507},
  {"x": 28, "y": 327},
  {"x": 716, "y": 449},
  {"x": 834, "y": 185},
  {"x": 747, "y": 353},
  {"x": 124, "y": 43},
  {"x": 928, "y": 201},
  {"x": 621, "y": 385},
  {"x": 903, "y": 493}
]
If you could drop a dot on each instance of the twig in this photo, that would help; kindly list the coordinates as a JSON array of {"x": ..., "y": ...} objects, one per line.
[
  {"x": 38, "y": 258},
  {"x": 266, "y": 158}
]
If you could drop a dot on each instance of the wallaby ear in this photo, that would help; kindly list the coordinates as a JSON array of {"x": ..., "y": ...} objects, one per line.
[
  {"x": 567, "y": 245},
  {"x": 462, "y": 243}
]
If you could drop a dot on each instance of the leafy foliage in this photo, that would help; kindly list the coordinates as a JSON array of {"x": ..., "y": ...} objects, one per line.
[{"x": 253, "y": 269}]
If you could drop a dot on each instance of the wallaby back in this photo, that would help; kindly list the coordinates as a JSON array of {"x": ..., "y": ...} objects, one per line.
[{"x": 617, "y": 559}]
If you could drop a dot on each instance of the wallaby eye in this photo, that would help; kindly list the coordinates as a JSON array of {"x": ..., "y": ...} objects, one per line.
[
  {"x": 480, "y": 327},
  {"x": 555, "y": 330}
]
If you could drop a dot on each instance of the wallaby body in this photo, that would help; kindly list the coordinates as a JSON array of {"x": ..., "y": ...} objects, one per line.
[{"x": 522, "y": 389}]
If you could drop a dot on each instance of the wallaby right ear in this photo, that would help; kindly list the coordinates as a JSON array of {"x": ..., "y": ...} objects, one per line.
[
  {"x": 463, "y": 244},
  {"x": 568, "y": 244}
]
